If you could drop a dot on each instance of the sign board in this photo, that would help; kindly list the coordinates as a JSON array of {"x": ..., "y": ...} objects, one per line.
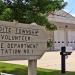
[{"x": 22, "y": 41}]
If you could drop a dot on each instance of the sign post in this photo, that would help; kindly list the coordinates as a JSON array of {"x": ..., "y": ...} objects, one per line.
[{"x": 32, "y": 67}]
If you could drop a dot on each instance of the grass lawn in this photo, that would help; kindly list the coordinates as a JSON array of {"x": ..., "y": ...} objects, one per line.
[{"x": 22, "y": 70}]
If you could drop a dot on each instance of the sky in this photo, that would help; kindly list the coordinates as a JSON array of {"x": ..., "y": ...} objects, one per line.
[{"x": 70, "y": 8}]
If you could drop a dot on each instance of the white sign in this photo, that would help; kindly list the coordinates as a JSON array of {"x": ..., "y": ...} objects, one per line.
[{"x": 22, "y": 41}]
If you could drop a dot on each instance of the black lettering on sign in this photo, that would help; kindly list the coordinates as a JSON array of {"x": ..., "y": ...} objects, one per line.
[
  {"x": 26, "y": 51},
  {"x": 15, "y": 38},
  {"x": 25, "y": 31},
  {"x": 10, "y": 51},
  {"x": 17, "y": 51},
  {"x": 5, "y": 29},
  {"x": 31, "y": 45},
  {"x": 22, "y": 45},
  {"x": 2, "y": 45},
  {"x": 32, "y": 51},
  {"x": 6, "y": 51}
]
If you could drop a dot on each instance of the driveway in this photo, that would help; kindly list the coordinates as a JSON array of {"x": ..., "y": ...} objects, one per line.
[{"x": 51, "y": 60}]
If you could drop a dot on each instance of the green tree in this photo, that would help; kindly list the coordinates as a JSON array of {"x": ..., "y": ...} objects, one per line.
[
  {"x": 2, "y": 6},
  {"x": 29, "y": 11}
]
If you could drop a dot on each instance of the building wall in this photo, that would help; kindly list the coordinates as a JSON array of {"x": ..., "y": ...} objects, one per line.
[
  {"x": 64, "y": 36},
  {"x": 58, "y": 39}
]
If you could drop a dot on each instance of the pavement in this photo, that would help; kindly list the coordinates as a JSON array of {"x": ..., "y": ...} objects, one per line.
[{"x": 51, "y": 60}]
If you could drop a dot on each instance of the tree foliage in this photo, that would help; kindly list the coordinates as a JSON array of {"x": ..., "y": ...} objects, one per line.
[
  {"x": 2, "y": 6},
  {"x": 28, "y": 11}
]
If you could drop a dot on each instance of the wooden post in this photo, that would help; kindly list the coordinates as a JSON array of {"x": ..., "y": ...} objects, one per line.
[{"x": 32, "y": 67}]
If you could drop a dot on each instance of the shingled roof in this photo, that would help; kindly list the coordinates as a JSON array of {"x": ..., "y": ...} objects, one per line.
[{"x": 61, "y": 16}]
